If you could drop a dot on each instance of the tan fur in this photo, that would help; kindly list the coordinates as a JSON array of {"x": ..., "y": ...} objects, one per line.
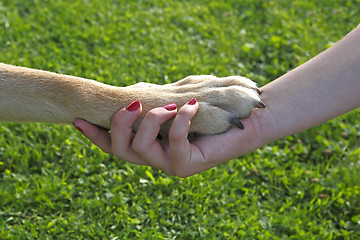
[{"x": 29, "y": 95}]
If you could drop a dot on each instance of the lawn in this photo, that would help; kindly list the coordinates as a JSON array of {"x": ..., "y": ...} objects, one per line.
[{"x": 54, "y": 184}]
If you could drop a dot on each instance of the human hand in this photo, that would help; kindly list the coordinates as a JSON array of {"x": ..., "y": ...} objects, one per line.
[{"x": 177, "y": 156}]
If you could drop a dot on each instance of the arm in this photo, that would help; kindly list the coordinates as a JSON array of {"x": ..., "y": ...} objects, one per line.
[
  {"x": 30, "y": 95},
  {"x": 321, "y": 89}
]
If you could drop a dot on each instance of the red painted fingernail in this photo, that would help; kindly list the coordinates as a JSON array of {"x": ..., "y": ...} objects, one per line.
[
  {"x": 133, "y": 106},
  {"x": 192, "y": 101},
  {"x": 170, "y": 107},
  {"x": 78, "y": 128}
]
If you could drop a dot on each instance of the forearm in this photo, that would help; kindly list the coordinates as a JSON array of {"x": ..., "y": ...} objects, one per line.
[{"x": 321, "y": 89}]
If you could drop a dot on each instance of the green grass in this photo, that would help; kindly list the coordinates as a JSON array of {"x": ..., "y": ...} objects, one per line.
[{"x": 55, "y": 185}]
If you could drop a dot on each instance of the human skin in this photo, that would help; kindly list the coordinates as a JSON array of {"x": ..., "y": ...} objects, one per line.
[{"x": 317, "y": 91}]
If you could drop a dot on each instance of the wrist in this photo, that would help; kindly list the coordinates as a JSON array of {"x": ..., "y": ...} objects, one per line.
[{"x": 265, "y": 125}]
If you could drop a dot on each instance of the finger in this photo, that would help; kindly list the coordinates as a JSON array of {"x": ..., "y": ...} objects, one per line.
[
  {"x": 180, "y": 149},
  {"x": 145, "y": 143},
  {"x": 122, "y": 135},
  {"x": 97, "y": 135}
]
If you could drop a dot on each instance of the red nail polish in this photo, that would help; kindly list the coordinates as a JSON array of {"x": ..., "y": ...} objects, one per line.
[
  {"x": 192, "y": 101},
  {"x": 78, "y": 128},
  {"x": 133, "y": 106},
  {"x": 170, "y": 107}
]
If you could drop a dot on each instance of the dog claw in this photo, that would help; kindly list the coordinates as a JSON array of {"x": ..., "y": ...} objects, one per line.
[
  {"x": 237, "y": 123},
  {"x": 260, "y": 105}
]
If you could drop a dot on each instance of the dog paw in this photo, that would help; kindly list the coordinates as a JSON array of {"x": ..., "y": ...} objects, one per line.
[
  {"x": 212, "y": 81},
  {"x": 222, "y": 102}
]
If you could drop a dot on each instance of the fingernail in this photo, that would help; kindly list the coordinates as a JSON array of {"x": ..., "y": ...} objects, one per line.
[
  {"x": 133, "y": 106},
  {"x": 192, "y": 101},
  {"x": 170, "y": 107},
  {"x": 77, "y": 127}
]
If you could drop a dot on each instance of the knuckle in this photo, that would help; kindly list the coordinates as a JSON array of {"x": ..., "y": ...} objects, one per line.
[
  {"x": 117, "y": 119},
  {"x": 139, "y": 147},
  {"x": 184, "y": 112},
  {"x": 175, "y": 136},
  {"x": 152, "y": 115},
  {"x": 187, "y": 111}
]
